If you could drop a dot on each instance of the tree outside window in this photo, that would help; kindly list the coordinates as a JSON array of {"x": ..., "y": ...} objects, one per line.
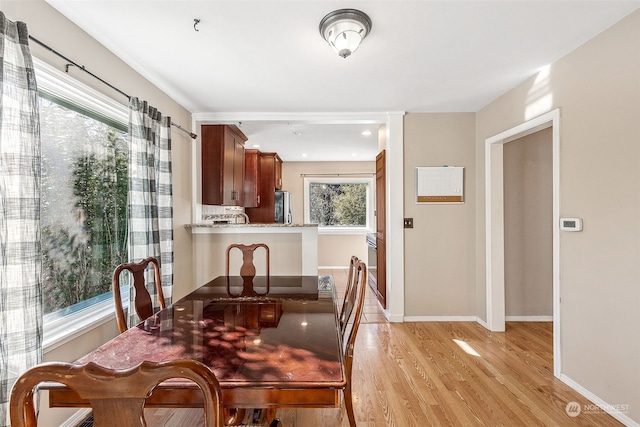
[
  {"x": 84, "y": 202},
  {"x": 338, "y": 203}
]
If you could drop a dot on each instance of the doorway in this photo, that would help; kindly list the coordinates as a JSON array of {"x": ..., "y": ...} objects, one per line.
[
  {"x": 494, "y": 223},
  {"x": 528, "y": 224}
]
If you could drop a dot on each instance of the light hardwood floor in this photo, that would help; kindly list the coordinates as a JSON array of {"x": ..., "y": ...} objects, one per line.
[{"x": 442, "y": 374}]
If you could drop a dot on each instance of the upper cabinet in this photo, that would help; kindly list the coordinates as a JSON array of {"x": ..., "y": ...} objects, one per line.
[
  {"x": 223, "y": 165},
  {"x": 268, "y": 179},
  {"x": 252, "y": 173},
  {"x": 272, "y": 171},
  {"x": 278, "y": 171}
]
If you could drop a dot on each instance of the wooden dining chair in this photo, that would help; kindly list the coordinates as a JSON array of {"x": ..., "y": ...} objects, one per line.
[
  {"x": 349, "y": 300},
  {"x": 357, "y": 296},
  {"x": 116, "y": 397},
  {"x": 248, "y": 273},
  {"x": 142, "y": 299},
  {"x": 248, "y": 268}
]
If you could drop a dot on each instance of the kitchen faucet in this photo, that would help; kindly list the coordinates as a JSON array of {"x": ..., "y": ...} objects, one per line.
[{"x": 241, "y": 214}]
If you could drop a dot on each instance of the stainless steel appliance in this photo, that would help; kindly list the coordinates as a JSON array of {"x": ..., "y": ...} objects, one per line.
[
  {"x": 372, "y": 260},
  {"x": 283, "y": 207}
]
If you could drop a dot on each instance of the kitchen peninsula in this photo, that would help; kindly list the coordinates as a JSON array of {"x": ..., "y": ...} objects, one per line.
[{"x": 293, "y": 248}]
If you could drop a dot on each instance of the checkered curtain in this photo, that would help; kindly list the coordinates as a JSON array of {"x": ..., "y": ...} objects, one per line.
[
  {"x": 20, "y": 256},
  {"x": 150, "y": 196}
]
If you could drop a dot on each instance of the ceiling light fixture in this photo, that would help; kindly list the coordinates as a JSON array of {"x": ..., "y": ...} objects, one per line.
[{"x": 344, "y": 30}]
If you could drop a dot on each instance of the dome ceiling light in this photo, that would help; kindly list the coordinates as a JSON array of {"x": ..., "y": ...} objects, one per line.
[{"x": 344, "y": 30}]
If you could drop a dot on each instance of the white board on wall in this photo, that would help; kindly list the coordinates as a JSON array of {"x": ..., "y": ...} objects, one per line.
[{"x": 440, "y": 184}]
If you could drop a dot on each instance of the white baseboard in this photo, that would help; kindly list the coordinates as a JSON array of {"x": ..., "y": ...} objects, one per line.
[
  {"x": 440, "y": 319},
  {"x": 394, "y": 318},
  {"x": 529, "y": 318},
  {"x": 78, "y": 417},
  {"x": 617, "y": 411},
  {"x": 334, "y": 267},
  {"x": 482, "y": 323}
]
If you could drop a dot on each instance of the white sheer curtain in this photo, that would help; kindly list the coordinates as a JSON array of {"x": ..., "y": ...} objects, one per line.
[
  {"x": 150, "y": 200},
  {"x": 20, "y": 256}
]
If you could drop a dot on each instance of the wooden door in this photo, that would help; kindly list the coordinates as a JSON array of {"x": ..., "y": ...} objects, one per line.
[{"x": 381, "y": 256}]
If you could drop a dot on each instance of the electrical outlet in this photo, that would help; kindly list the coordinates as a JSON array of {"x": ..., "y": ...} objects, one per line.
[{"x": 408, "y": 223}]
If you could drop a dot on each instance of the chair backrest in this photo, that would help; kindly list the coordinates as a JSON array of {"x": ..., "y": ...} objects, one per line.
[
  {"x": 142, "y": 300},
  {"x": 117, "y": 397},
  {"x": 349, "y": 296},
  {"x": 359, "y": 289},
  {"x": 248, "y": 268}
]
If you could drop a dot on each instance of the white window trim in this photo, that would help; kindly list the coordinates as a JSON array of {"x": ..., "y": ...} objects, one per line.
[
  {"x": 52, "y": 80},
  {"x": 62, "y": 330},
  {"x": 342, "y": 180}
]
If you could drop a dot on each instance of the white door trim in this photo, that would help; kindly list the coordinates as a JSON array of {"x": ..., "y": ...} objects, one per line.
[
  {"x": 394, "y": 146},
  {"x": 494, "y": 223}
]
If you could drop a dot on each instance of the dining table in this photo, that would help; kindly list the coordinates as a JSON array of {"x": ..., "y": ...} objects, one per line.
[{"x": 272, "y": 342}]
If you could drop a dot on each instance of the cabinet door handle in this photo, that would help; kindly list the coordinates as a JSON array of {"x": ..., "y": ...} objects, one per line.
[{"x": 258, "y": 199}]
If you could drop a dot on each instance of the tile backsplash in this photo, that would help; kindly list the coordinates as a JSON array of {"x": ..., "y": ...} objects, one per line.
[{"x": 222, "y": 213}]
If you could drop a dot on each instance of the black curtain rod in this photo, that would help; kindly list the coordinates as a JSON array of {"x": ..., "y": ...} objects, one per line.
[{"x": 81, "y": 67}]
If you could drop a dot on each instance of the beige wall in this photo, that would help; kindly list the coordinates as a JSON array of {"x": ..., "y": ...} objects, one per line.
[
  {"x": 528, "y": 225},
  {"x": 440, "y": 249},
  {"x": 334, "y": 250},
  {"x": 597, "y": 88},
  {"x": 47, "y": 25}
]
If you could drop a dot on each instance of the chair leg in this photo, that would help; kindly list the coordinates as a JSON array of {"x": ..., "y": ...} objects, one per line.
[
  {"x": 271, "y": 418},
  {"x": 348, "y": 403},
  {"x": 234, "y": 416}
]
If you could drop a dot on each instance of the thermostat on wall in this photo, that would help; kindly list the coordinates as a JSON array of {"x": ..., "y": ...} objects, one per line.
[{"x": 571, "y": 224}]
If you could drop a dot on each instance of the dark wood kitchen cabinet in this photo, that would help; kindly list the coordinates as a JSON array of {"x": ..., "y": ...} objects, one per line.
[
  {"x": 270, "y": 180},
  {"x": 278, "y": 171},
  {"x": 252, "y": 173},
  {"x": 222, "y": 165}
]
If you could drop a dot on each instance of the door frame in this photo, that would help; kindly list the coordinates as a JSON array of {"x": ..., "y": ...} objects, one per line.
[{"x": 494, "y": 223}]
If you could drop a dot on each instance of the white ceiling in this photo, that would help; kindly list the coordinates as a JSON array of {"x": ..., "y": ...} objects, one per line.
[{"x": 268, "y": 56}]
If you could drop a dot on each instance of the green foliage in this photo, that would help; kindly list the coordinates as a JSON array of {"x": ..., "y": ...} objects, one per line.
[
  {"x": 84, "y": 231},
  {"x": 338, "y": 205},
  {"x": 350, "y": 205}
]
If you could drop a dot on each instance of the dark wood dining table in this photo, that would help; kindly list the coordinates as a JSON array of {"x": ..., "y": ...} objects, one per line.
[{"x": 271, "y": 343}]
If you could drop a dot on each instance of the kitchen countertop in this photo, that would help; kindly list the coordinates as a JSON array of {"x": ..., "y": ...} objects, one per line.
[{"x": 256, "y": 225}]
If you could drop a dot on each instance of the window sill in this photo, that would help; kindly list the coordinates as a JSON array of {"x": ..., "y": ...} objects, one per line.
[
  {"x": 64, "y": 330},
  {"x": 344, "y": 231}
]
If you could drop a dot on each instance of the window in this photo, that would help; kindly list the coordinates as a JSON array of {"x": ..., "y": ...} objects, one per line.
[
  {"x": 339, "y": 204},
  {"x": 83, "y": 200}
]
